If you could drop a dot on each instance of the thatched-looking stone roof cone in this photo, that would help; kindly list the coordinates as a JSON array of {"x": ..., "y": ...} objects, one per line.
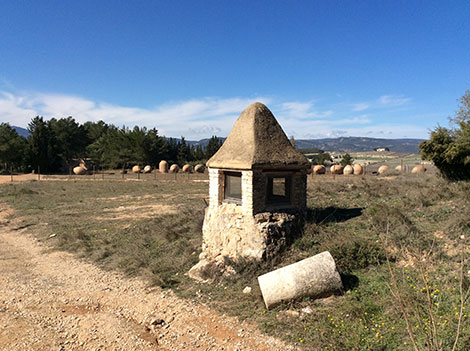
[{"x": 257, "y": 141}]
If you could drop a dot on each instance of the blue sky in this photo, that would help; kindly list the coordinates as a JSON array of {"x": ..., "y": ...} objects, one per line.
[{"x": 325, "y": 68}]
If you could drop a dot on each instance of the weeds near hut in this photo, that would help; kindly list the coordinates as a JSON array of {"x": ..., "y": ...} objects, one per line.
[{"x": 425, "y": 303}]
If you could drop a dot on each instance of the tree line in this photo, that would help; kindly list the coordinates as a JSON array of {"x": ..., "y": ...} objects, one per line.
[{"x": 55, "y": 145}]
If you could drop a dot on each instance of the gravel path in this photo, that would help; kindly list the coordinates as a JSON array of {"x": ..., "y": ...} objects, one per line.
[{"x": 50, "y": 300}]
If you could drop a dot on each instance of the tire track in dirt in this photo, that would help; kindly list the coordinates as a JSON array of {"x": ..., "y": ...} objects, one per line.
[{"x": 51, "y": 300}]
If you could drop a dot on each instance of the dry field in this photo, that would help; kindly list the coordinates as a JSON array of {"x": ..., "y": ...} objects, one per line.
[
  {"x": 392, "y": 159},
  {"x": 151, "y": 228}
]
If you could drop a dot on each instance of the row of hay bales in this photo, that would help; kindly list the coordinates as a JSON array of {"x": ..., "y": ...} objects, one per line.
[
  {"x": 163, "y": 167},
  {"x": 358, "y": 170},
  {"x": 174, "y": 168},
  {"x": 416, "y": 169},
  {"x": 337, "y": 169}
]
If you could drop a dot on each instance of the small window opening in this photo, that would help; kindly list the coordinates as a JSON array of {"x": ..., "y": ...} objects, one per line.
[
  {"x": 278, "y": 190},
  {"x": 233, "y": 187}
]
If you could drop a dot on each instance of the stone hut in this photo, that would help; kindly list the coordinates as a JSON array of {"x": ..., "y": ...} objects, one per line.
[{"x": 257, "y": 190}]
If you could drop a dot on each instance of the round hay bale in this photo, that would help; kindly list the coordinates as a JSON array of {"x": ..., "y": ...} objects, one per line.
[
  {"x": 199, "y": 168},
  {"x": 348, "y": 170},
  {"x": 148, "y": 169},
  {"x": 336, "y": 169},
  {"x": 399, "y": 168},
  {"x": 418, "y": 169},
  {"x": 357, "y": 169},
  {"x": 79, "y": 170},
  {"x": 136, "y": 169},
  {"x": 163, "y": 166},
  {"x": 174, "y": 168},
  {"x": 319, "y": 169},
  {"x": 382, "y": 169},
  {"x": 187, "y": 169}
]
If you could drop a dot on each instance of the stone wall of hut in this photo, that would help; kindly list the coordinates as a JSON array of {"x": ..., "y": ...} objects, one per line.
[
  {"x": 216, "y": 187},
  {"x": 299, "y": 189},
  {"x": 227, "y": 231},
  {"x": 250, "y": 229}
]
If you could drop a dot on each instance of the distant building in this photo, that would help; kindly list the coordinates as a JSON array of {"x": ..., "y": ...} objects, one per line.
[{"x": 381, "y": 149}]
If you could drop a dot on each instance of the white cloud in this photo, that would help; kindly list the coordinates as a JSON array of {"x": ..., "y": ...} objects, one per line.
[
  {"x": 361, "y": 106},
  {"x": 13, "y": 111},
  {"x": 301, "y": 110},
  {"x": 192, "y": 118},
  {"x": 393, "y": 100},
  {"x": 382, "y": 102},
  {"x": 200, "y": 118}
]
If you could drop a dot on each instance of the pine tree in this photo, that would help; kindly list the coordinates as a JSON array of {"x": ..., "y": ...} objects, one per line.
[
  {"x": 213, "y": 146},
  {"x": 69, "y": 139},
  {"x": 184, "y": 152},
  {"x": 346, "y": 160},
  {"x": 41, "y": 145},
  {"x": 198, "y": 153},
  {"x": 13, "y": 149}
]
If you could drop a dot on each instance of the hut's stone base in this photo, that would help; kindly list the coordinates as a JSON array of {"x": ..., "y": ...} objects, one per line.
[{"x": 229, "y": 233}]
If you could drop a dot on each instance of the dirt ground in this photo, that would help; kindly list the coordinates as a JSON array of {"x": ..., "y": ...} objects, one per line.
[
  {"x": 18, "y": 178},
  {"x": 51, "y": 300}
]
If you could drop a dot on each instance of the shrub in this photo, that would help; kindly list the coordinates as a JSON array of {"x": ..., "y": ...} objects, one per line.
[
  {"x": 346, "y": 160},
  {"x": 357, "y": 254},
  {"x": 449, "y": 149}
]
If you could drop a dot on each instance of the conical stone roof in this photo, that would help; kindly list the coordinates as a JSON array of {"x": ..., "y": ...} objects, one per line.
[{"x": 257, "y": 141}]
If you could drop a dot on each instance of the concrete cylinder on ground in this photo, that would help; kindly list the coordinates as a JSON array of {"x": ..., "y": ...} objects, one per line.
[
  {"x": 163, "y": 166},
  {"x": 315, "y": 277},
  {"x": 147, "y": 169},
  {"x": 79, "y": 170},
  {"x": 199, "y": 168},
  {"x": 336, "y": 169},
  {"x": 348, "y": 170},
  {"x": 187, "y": 169},
  {"x": 418, "y": 169},
  {"x": 382, "y": 169},
  {"x": 357, "y": 169},
  {"x": 174, "y": 168},
  {"x": 319, "y": 169},
  {"x": 136, "y": 169}
]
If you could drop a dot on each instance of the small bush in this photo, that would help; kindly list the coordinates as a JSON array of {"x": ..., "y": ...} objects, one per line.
[{"x": 357, "y": 254}]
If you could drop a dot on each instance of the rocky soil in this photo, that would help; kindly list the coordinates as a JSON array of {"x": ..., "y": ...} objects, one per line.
[{"x": 51, "y": 300}]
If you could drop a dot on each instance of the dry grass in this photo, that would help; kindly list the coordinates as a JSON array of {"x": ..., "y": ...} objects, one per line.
[{"x": 155, "y": 231}]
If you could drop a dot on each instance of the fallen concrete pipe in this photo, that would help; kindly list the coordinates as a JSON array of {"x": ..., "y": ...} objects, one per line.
[{"x": 315, "y": 276}]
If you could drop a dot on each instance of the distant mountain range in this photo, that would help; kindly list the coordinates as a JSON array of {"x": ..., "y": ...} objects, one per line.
[
  {"x": 202, "y": 142},
  {"x": 347, "y": 144},
  {"x": 21, "y": 131},
  {"x": 342, "y": 144},
  {"x": 358, "y": 144}
]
